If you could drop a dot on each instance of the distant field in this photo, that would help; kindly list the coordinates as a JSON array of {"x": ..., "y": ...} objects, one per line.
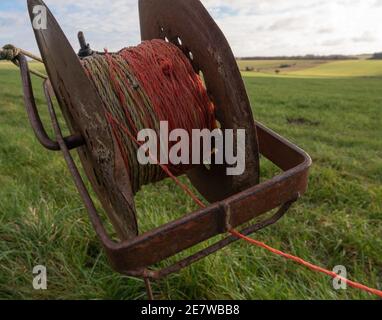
[
  {"x": 337, "y": 120},
  {"x": 291, "y": 68},
  {"x": 5, "y": 65},
  {"x": 313, "y": 68},
  {"x": 270, "y": 66},
  {"x": 351, "y": 68}
]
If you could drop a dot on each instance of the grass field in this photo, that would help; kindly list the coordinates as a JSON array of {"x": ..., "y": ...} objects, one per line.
[
  {"x": 313, "y": 68},
  {"x": 338, "y": 222},
  {"x": 359, "y": 68},
  {"x": 284, "y": 66}
]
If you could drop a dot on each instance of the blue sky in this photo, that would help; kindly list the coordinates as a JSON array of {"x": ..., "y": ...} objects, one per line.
[{"x": 253, "y": 27}]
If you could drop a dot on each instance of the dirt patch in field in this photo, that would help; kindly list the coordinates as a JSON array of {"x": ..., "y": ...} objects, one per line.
[{"x": 302, "y": 121}]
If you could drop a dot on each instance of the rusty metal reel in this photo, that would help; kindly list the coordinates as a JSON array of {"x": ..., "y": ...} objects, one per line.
[
  {"x": 187, "y": 24},
  {"x": 236, "y": 200}
]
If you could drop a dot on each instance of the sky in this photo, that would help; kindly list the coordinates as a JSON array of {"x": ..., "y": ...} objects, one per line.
[{"x": 252, "y": 27}]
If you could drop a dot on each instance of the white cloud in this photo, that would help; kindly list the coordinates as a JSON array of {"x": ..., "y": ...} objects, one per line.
[
  {"x": 279, "y": 27},
  {"x": 367, "y": 37},
  {"x": 253, "y": 27}
]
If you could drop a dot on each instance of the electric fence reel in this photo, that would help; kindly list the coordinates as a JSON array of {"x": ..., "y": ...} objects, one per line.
[{"x": 234, "y": 200}]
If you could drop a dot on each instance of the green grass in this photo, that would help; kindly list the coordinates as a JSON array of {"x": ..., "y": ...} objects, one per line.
[{"x": 338, "y": 222}]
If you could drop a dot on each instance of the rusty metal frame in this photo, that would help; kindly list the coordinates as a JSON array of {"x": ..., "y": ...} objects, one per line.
[
  {"x": 135, "y": 254},
  {"x": 72, "y": 142},
  {"x": 133, "y": 257}
]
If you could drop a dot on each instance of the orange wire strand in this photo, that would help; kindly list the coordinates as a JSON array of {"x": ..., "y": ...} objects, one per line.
[
  {"x": 309, "y": 265},
  {"x": 155, "y": 51}
]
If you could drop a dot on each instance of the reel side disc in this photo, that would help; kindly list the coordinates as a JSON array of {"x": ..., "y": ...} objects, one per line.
[
  {"x": 83, "y": 111},
  {"x": 187, "y": 24}
]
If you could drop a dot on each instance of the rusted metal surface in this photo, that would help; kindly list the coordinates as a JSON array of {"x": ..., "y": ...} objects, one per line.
[
  {"x": 211, "y": 221},
  {"x": 235, "y": 201},
  {"x": 149, "y": 289},
  {"x": 133, "y": 257},
  {"x": 83, "y": 111},
  {"x": 72, "y": 142},
  {"x": 189, "y": 22},
  {"x": 176, "y": 267}
]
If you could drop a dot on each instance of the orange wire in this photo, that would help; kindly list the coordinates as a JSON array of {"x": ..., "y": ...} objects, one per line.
[
  {"x": 306, "y": 264},
  {"x": 134, "y": 56}
]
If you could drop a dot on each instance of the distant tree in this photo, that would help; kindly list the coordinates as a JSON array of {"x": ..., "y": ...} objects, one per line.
[
  {"x": 377, "y": 56},
  {"x": 249, "y": 68}
]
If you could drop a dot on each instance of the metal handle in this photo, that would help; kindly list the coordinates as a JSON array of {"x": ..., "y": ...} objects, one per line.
[{"x": 72, "y": 142}]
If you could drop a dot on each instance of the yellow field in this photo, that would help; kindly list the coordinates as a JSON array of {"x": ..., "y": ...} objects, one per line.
[
  {"x": 270, "y": 66},
  {"x": 351, "y": 68},
  {"x": 6, "y": 65},
  {"x": 312, "y": 68}
]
